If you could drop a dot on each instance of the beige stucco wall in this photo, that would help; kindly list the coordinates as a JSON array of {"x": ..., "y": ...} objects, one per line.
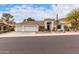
[
  {"x": 18, "y": 28},
  {"x": 66, "y": 23}
]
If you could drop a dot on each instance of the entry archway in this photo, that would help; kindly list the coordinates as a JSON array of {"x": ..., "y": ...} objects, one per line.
[{"x": 48, "y": 26}]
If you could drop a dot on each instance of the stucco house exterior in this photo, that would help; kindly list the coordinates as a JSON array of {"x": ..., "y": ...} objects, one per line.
[{"x": 34, "y": 26}]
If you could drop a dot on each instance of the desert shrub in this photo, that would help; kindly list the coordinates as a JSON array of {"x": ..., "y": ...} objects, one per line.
[
  {"x": 3, "y": 31},
  {"x": 10, "y": 28},
  {"x": 67, "y": 28},
  {"x": 54, "y": 29},
  {"x": 41, "y": 28},
  {"x": 75, "y": 26}
]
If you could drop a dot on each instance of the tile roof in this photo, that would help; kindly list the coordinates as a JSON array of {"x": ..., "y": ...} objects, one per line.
[
  {"x": 40, "y": 23},
  {"x": 49, "y": 19}
]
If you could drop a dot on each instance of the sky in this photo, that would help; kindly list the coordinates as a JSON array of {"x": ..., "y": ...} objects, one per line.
[{"x": 36, "y": 11}]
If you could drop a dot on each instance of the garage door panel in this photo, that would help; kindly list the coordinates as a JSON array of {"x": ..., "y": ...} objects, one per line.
[{"x": 30, "y": 28}]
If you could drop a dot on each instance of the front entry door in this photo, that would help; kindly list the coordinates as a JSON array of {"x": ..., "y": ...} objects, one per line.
[
  {"x": 58, "y": 26},
  {"x": 48, "y": 27}
]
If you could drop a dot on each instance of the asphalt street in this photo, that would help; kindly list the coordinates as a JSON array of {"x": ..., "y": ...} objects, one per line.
[{"x": 64, "y": 44}]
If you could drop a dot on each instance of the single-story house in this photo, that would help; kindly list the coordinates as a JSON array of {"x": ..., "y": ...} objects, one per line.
[{"x": 47, "y": 24}]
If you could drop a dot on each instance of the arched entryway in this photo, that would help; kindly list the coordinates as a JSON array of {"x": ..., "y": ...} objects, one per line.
[{"x": 48, "y": 26}]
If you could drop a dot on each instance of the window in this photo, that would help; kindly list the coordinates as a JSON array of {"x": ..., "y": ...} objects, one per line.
[{"x": 59, "y": 26}]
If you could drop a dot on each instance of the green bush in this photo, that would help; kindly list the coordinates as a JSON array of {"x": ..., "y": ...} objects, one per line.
[
  {"x": 10, "y": 28},
  {"x": 67, "y": 28},
  {"x": 75, "y": 26},
  {"x": 3, "y": 31},
  {"x": 41, "y": 28},
  {"x": 7, "y": 29},
  {"x": 54, "y": 29}
]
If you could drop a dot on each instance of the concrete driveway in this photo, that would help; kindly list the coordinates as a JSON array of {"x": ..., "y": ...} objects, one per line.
[
  {"x": 27, "y": 34},
  {"x": 17, "y": 34}
]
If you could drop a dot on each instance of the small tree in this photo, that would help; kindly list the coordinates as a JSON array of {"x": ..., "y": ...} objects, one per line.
[
  {"x": 73, "y": 15},
  {"x": 30, "y": 19},
  {"x": 73, "y": 18}
]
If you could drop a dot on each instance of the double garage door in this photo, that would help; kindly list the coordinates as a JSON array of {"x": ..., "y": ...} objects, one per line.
[
  {"x": 31, "y": 28},
  {"x": 28, "y": 28}
]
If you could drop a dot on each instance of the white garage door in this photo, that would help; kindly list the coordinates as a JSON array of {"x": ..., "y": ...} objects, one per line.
[{"x": 31, "y": 28}]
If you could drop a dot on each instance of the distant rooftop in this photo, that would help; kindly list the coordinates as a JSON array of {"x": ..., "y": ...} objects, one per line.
[{"x": 49, "y": 19}]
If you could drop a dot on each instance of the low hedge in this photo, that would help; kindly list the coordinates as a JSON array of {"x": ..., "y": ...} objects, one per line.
[
  {"x": 3, "y": 31},
  {"x": 41, "y": 28},
  {"x": 67, "y": 28},
  {"x": 54, "y": 29}
]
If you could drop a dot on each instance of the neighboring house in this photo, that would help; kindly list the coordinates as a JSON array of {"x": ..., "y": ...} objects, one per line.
[{"x": 35, "y": 26}]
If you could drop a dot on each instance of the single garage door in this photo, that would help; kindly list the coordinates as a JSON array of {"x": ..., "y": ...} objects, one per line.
[{"x": 31, "y": 28}]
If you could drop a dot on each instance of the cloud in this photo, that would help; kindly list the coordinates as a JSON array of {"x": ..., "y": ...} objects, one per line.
[
  {"x": 22, "y": 12},
  {"x": 39, "y": 13},
  {"x": 64, "y": 9}
]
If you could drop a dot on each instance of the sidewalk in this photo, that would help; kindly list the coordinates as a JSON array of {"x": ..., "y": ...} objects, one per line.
[{"x": 23, "y": 34}]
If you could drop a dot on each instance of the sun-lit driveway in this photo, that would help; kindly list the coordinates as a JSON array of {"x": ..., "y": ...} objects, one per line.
[
  {"x": 17, "y": 34},
  {"x": 27, "y": 34}
]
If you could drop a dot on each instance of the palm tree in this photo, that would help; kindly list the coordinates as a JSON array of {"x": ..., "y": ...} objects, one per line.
[{"x": 73, "y": 17}]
